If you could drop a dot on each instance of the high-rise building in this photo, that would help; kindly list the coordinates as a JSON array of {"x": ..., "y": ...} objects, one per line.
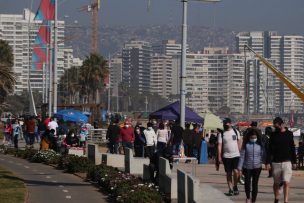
[
  {"x": 168, "y": 47},
  {"x": 115, "y": 72},
  {"x": 20, "y": 32},
  {"x": 215, "y": 79},
  {"x": 287, "y": 54},
  {"x": 161, "y": 75},
  {"x": 136, "y": 64}
]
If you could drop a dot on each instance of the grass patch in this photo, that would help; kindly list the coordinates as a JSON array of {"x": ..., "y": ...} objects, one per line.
[{"x": 12, "y": 189}]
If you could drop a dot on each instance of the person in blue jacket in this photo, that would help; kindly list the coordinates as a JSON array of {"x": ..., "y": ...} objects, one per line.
[{"x": 250, "y": 163}]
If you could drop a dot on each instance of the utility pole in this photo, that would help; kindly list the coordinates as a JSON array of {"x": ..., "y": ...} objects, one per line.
[
  {"x": 55, "y": 56},
  {"x": 109, "y": 90},
  {"x": 51, "y": 73}
]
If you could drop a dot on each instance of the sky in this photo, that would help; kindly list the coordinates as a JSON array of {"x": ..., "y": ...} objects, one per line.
[{"x": 285, "y": 16}]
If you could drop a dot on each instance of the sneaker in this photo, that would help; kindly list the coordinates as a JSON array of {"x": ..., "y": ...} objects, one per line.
[
  {"x": 236, "y": 191},
  {"x": 242, "y": 180},
  {"x": 229, "y": 193}
]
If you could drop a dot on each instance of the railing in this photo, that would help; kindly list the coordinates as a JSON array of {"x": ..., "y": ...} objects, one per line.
[{"x": 97, "y": 136}]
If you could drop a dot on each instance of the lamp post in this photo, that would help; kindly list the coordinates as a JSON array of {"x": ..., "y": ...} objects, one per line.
[{"x": 184, "y": 62}]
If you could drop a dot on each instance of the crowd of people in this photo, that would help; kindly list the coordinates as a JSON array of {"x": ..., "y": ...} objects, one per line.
[
  {"x": 145, "y": 140},
  {"x": 47, "y": 132}
]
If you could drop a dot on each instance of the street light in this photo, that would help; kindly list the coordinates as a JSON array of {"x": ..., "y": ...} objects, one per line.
[{"x": 183, "y": 64}]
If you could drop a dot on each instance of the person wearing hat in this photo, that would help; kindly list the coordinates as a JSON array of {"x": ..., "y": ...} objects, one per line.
[{"x": 229, "y": 153}]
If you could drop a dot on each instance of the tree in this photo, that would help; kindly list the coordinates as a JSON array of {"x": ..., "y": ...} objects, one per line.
[
  {"x": 7, "y": 76},
  {"x": 69, "y": 85},
  {"x": 92, "y": 74}
]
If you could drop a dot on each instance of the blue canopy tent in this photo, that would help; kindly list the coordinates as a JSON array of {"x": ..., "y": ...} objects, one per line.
[
  {"x": 71, "y": 115},
  {"x": 172, "y": 112}
]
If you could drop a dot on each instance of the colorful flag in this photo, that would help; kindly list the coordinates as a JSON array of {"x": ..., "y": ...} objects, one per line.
[
  {"x": 40, "y": 46},
  {"x": 46, "y": 10}
]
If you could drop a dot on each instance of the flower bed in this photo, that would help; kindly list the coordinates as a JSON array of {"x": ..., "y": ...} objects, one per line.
[{"x": 122, "y": 187}]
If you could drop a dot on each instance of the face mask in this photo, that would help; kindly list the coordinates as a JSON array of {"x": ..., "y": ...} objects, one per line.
[
  {"x": 126, "y": 126},
  {"x": 150, "y": 128},
  {"x": 137, "y": 131},
  {"x": 253, "y": 140},
  {"x": 73, "y": 135},
  {"x": 226, "y": 127}
]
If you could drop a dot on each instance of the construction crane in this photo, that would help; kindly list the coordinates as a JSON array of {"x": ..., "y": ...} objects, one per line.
[
  {"x": 295, "y": 88},
  {"x": 93, "y": 8}
]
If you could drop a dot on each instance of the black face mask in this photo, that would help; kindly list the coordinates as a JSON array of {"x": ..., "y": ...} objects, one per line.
[{"x": 226, "y": 127}]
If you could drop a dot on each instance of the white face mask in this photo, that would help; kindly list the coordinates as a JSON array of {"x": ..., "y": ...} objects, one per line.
[
  {"x": 253, "y": 140},
  {"x": 73, "y": 135},
  {"x": 137, "y": 131},
  {"x": 150, "y": 128},
  {"x": 126, "y": 126}
]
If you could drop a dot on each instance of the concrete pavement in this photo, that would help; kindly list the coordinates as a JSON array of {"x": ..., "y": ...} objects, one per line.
[
  {"x": 48, "y": 185},
  {"x": 217, "y": 179}
]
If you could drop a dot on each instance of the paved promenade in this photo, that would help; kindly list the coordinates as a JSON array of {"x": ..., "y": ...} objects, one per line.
[{"x": 208, "y": 175}]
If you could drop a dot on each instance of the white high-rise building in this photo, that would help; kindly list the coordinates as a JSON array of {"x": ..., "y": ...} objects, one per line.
[
  {"x": 15, "y": 30},
  {"x": 215, "y": 79},
  {"x": 161, "y": 75},
  {"x": 168, "y": 47},
  {"x": 287, "y": 54},
  {"x": 136, "y": 64}
]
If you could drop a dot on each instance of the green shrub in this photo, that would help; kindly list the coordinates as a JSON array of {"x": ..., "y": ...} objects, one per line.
[
  {"x": 74, "y": 164},
  {"x": 44, "y": 156}
]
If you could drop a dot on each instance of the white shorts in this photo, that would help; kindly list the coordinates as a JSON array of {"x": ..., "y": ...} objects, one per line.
[{"x": 281, "y": 172}]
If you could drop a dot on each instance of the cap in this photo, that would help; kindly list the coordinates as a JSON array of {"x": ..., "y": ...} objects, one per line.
[{"x": 226, "y": 120}]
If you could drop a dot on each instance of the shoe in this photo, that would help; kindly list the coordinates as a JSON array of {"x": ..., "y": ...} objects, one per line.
[
  {"x": 248, "y": 200},
  {"x": 242, "y": 181},
  {"x": 229, "y": 193},
  {"x": 236, "y": 191}
]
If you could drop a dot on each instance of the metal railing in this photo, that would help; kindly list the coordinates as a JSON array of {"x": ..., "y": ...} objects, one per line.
[{"x": 97, "y": 136}]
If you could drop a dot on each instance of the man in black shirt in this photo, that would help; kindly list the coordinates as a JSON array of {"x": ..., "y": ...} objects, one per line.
[
  {"x": 281, "y": 154},
  {"x": 112, "y": 135}
]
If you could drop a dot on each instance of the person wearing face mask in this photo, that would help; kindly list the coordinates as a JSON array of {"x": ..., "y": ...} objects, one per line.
[
  {"x": 126, "y": 136},
  {"x": 252, "y": 157},
  {"x": 282, "y": 156},
  {"x": 229, "y": 153},
  {"x": 71, "y": 139},
  {"x": 151, "y": 139}
]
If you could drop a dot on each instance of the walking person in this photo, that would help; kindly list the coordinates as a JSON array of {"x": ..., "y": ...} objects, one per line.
[
  {"x": 126, "y": 136},
  {"x": 112, "y": 136},
  {"x": 139, "y": 142},
  {"x": 250, "y": 163},
  {"x": 17, "y": 131},
  {"x": 8, "y": 133},
  {"x": 30, "y": 130},
  {"x": 162, "y": 137},
  {"x": 281, "y": 154},
  {"x": 229, "y": 153},
  {"x": 151, "y": 139},
  {"x": 265, "y": 141}
]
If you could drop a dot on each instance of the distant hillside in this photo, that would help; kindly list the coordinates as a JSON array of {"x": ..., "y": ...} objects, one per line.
[{"x": 114, "y": 37}]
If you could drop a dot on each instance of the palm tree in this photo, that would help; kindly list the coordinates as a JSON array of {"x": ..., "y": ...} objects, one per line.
[
  {"x": 69, "y": 85},
  {"x": 93, "y": 72},
  {"x": 7, "y": 76}
]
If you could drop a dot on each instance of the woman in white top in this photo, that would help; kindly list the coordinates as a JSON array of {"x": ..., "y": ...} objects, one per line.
[{"x": 162, "y": 137}]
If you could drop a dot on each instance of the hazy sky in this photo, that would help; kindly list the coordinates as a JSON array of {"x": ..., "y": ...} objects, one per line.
[{"x": 285, "y": 16}]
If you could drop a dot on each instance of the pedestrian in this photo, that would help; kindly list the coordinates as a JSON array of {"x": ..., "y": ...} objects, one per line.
[
  {"x": 162, "y": 136},
  {"x": 17, "y": 131},
  {"x": 30, "y": 130},
  {"x": 300, "y": 155},
  {"x": 112, "y": 136},
  {"x": 53, "y": 125},
  {"x": 252, "y": 157},
  {"x": 281, "y": 154},
  {"x": 265, "y": 141},
  {"x": 229, "y": 153},
  {"x": 176, "y": 137},
  {"x": 8, "y": 133},
  {"x": 212, "y": 145},
  {"x": 197, "y": 141},
  {"x": 188, "y": 140},
  {"x": 151, "y": 140},
  {"x": 139, "y": 142},
  {"x": 126, "y": 136}
]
